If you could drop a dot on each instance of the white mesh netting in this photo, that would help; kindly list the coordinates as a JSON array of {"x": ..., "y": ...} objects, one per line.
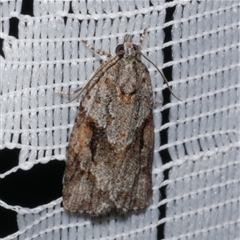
[{"x": 202, "y": 186}]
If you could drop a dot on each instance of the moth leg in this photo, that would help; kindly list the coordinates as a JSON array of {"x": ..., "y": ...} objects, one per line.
[
  {"x": 78, "y": 91},
  {"x": 98, "y": 51},
  {"x": 68, "y": 93},
  {"x": 156, "y": 103}
]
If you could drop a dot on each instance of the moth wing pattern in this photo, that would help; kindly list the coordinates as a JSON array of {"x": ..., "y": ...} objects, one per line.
[{"x": 110, "y": 152}]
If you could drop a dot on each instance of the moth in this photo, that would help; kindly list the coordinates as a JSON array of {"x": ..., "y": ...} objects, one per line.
[{"x": 110, "y": 151}]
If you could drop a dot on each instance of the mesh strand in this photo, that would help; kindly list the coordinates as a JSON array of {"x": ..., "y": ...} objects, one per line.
[{"x": 202, "y": 189}]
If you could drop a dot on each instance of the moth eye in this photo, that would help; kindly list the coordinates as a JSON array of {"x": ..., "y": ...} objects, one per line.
[
  {"x": 135, "y": 47},
  {"x": 119, "y": 49}
]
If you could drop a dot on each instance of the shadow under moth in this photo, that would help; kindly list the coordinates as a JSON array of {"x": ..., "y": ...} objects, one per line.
[{"x": 110, "y": 151}]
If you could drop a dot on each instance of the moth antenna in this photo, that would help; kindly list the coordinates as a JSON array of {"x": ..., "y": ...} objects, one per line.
[
  {"x": 142, "y": 37},
  {"x": 94, "y": 79},
  {"x": 161, "y": 73}
]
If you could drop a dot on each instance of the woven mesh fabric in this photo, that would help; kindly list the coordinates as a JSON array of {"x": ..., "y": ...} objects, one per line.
[{"x": 201, "y": 176}]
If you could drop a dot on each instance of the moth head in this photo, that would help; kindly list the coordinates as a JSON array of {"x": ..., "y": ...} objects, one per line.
[{"x": 127, "y": 49}]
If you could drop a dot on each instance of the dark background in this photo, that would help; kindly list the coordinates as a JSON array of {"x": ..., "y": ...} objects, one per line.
[{"x": 43, "y": 182}]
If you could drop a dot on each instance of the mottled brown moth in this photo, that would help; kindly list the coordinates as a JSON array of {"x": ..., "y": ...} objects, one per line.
[{"x": 110, "y": 152}]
